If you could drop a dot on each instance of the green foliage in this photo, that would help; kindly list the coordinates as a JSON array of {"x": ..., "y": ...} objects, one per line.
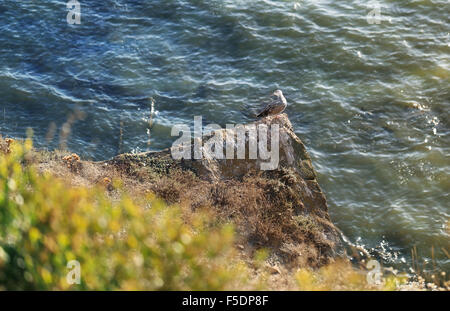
[{"x": 45, "y": 223}]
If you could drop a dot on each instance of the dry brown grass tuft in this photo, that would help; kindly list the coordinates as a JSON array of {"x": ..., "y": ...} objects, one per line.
[
  {"x": 73, "y": 162},
  {"x": 5, "y": 144},
  {"x": 268, "y": 213}
]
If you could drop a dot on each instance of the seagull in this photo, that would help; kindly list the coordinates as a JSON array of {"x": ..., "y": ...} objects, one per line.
[{"x": 276, "y": 105}]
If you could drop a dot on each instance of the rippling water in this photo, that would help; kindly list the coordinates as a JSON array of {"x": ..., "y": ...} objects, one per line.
[{"x": 371, "y": 101}]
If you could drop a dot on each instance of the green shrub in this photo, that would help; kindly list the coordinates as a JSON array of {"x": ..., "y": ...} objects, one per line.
[{"x": 45, "y": 224}]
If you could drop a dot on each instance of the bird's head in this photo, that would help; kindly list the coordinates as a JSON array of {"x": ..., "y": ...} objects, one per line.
[{"x": 278, "y": 93}]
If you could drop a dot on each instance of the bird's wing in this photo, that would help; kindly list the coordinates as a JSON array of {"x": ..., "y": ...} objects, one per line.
[{"x": 269, "y": 106}]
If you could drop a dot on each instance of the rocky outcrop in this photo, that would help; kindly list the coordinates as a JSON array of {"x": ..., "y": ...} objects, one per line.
[{"x": 283, "y": 209}]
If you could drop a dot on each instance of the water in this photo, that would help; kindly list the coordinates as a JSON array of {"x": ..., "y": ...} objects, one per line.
[{"x": 370, "y": 101}]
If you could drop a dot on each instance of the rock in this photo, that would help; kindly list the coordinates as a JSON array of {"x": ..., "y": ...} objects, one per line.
[{"x": 283, "y": 209}]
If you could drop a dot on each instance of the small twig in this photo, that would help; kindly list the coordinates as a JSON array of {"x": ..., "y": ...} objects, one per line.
[
  {"x": 121, "y": 137},
  {"x": 150, "y": 120},
  {"x": 445, "y": 252}
]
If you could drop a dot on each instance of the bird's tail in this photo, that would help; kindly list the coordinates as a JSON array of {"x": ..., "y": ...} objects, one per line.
[{"x": 262, "y": 114}]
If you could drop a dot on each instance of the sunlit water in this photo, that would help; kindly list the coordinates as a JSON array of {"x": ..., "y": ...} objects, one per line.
[{"x": 370, "y": 101}]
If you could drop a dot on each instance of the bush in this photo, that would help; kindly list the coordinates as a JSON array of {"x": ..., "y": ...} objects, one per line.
[{"x": 45, "y": 224}]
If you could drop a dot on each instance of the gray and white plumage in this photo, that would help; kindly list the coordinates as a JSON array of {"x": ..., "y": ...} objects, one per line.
[{"x": 276, "y": 105}]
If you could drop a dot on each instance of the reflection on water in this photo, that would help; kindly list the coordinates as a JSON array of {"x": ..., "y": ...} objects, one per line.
[{"x": 371, "y": 101}]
